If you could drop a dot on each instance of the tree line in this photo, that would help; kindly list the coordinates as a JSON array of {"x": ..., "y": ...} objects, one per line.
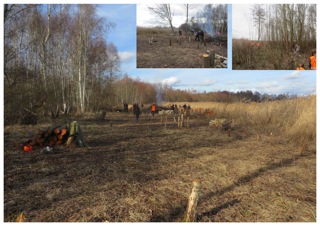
[
  {"x": 285, "y": 23},
  {"x": 57, "y": 57}
]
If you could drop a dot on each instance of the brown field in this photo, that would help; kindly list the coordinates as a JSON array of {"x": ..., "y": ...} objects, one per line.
[
  {"x": 160, "y": 54},
  {"x": 143, "y": 172}
]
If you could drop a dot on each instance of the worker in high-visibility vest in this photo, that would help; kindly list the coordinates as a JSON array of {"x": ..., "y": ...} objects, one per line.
[
  {"x": 153, "y": 109},
  {"x": 313, "y": 60}
]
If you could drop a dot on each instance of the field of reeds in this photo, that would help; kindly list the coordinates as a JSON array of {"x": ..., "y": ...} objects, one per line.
[
  {"x": 295, "y": 118},
  {"x": 129, "y": 171},
  {"x": 251, "y": 55}
]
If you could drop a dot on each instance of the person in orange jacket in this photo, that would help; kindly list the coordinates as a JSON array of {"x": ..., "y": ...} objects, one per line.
[
  {"x": 301, "y": 67},
  {"x": 312, "y": 60},
  {"x": 153, "y": 109}
]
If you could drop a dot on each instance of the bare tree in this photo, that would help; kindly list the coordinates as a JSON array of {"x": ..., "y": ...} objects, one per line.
[
  {"x": 163, "y": 11},
  {"x": 188, "y": 6},
  {"x": 259, "y": 18}
]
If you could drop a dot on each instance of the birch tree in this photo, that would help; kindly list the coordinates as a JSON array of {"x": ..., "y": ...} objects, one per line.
[{"x": 163, "y": 12}]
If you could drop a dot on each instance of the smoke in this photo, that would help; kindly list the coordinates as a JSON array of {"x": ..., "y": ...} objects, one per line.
[
  {"x": 164, "y": 84},
  {"x": 159, "y": 95},
  {"x": 207, "y": 21}
]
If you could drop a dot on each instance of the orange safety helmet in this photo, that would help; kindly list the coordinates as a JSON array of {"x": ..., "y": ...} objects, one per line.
[{"x": 27, "y": 148}]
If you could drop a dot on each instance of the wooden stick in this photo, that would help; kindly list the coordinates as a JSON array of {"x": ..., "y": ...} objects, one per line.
[
  {"x": 219, "y": 56},
  {"x": 193, "y": 201}
]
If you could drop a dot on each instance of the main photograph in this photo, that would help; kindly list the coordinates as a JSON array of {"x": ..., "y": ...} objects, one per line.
[{"x": 89, "y": 137}]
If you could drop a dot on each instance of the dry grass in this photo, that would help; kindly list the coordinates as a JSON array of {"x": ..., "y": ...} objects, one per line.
[
  {"x": 269, "y": 56},
  {"x": 143, "y": 172},
  {"x": 152, "y": 31},
  {"x": 295, "y": 118}
]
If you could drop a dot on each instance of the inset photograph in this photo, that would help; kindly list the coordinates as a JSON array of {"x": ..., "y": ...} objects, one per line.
[
  {"x": 182, "y": 35},
  {"x": 274, "y": 37}
]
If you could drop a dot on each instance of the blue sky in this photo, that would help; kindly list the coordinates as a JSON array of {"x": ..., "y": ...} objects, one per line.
[
  {"x": 123, "y": 35},
  {"x": 266, "y": 81}
]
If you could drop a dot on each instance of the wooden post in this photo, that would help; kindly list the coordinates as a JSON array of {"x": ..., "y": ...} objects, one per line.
[
  {"x": 229, "y": 132},
  {"x": 193, "y": 201},
  {"x": 212, "y": 57},
  {"x": 206, "y": 61},
  {"x": 182, "y": 120},
  {"x": 170, "y": 42}
]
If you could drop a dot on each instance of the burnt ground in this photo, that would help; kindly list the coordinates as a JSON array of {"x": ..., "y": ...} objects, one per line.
[
  {"x": 160, "y": 54},
  {"x": 143, "y": 172}
]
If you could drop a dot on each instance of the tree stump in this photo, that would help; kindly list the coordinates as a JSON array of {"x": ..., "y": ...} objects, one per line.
[
  {"x": 206, "y": 61},
  {"x": 193, "y": 201}
]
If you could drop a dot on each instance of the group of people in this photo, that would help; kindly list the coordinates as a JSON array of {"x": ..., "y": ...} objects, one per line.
[
  {"x": 154, "y": 108},
  {"x": 199, "y": 35},
  {"x": 312, "y": 62}
]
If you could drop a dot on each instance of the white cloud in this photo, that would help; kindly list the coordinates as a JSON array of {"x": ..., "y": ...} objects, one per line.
[
  {"x": 145, "y": 18},
  {"x": 242, "y": 26},
  {"x": 172, "y": 81},
  {"x": 293, "y": 75},
  {"x": 126, "y": 56},
  {"x": 206, "y": 82},
  {"x": 273, "y": 87}
]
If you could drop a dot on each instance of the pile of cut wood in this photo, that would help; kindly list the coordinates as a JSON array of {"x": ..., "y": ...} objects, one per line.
[{"x": 50, "y": 137}]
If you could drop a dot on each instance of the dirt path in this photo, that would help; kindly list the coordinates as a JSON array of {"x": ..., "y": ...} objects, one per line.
[{"x": 142, "y": 172}]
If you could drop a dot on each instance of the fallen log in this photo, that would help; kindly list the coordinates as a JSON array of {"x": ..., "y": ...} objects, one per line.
[{"x": 59, "y": 130}]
